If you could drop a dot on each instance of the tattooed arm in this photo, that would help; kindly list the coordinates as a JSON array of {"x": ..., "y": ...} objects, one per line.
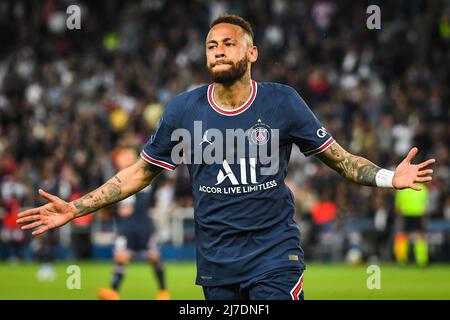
[
  {"x": 351, "y": 167},
  {"x": 57, "y": 212},
  {"x": 362, "y": 171},
  {"x": 125, "y": 183}
]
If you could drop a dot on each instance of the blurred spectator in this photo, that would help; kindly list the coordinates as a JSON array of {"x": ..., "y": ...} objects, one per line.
[
  {"x": 324, "y": 218},
  {"x": 10, "y": 235}
]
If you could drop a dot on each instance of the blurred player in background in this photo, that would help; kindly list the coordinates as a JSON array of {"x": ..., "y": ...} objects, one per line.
[
  {"x": 411, "y": 208},
  {"x": 10, "y": 233},
  {"x": 135, "y": 235},
  {"x": 47, "y": 245}
]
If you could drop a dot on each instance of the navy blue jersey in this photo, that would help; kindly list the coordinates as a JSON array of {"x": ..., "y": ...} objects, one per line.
[
  {"x": 243, "y": 213},
  {"x": 138, "y": 218}
]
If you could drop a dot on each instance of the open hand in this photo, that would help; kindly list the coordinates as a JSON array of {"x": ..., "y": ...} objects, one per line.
[
  {"x": 407, "y": 174},
  {"x": 55, "y": 213}
]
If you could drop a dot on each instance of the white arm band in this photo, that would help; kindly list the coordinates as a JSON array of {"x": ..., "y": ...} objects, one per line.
[{"x": 384, "y": 178}]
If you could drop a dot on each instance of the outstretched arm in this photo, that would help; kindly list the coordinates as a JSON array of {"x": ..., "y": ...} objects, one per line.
[
  {"x": 58, "y": 212},
  {"x": 362, "y": 171}
]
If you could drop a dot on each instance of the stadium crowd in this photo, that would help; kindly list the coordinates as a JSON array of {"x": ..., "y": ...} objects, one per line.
[{"x": 71, "y": 99}]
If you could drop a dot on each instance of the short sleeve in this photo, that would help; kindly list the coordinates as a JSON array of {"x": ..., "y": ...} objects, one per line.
[
  {"x": 305, "y": 129},
  {"x": 158, "y": 149}
]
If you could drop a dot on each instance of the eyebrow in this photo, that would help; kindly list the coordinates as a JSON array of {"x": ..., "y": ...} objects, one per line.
[{"x": 223, "y": 40}]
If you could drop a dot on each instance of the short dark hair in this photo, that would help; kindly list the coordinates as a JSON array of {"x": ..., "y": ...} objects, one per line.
[{"x": 236, "y": 20}]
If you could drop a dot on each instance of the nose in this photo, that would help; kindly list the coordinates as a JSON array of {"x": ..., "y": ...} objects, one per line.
[{"x": 219, "y": 52}]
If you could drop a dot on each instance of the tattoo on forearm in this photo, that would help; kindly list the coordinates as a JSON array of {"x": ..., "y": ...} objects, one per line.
[
  {"x": 150, "y": 171},
  {"x": 334, "y": 151},
  {"x": 113, "y": 191},
  {"x": 109, "y": 193},
  {"x": 354, "y": 168},
  {"x": 367, "y": 173},
  {"x": 358, "y": 169}
]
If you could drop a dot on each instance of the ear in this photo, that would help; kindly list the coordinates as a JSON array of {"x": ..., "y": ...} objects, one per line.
[{"x": 252, "y": 54}]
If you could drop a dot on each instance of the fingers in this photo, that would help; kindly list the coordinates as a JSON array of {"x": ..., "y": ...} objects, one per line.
[
  {"x": 426, "y": 163},
  {"x": 415, "y": 187},
  {"x": 48, "y": 196},
  {"x": 424, "y": 172},
  {"x": 411, "y": 154},
  {"x": 40, "y": 231},
  {"x": 424, "y": 179},
  {"x": 28, "y": 219},
  {"x": 32, "y": 225},
  {"x": 28, "y": 212}
]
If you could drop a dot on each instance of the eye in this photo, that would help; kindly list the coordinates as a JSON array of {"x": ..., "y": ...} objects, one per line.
[
  {"x": 212, "y": 46},
  {"x": 229, "y": 44}
]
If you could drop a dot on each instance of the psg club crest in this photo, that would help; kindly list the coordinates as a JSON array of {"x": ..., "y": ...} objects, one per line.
[{"x": 260, "y": 133}]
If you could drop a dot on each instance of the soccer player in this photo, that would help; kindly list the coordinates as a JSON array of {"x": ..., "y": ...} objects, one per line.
[
  {"x": 248, "y": 245},
  {"x": 135, "y": 235},
  {"x": 411, "y": 208}
]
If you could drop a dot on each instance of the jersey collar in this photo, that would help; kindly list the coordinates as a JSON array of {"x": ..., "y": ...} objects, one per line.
[{"x": 229, "y": 112}]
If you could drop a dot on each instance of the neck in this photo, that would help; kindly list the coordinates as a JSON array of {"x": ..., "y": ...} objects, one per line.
[{"x": 233, "y": 95}]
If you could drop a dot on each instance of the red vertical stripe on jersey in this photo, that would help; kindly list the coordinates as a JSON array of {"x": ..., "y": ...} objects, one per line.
[{"x": 297, "y": 289}]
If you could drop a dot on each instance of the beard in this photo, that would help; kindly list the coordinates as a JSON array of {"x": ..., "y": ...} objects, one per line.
[{"x": 234, "y": 73}]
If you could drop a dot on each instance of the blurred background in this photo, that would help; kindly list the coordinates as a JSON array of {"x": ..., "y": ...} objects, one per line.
[{"x": 71, "y": 102}]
